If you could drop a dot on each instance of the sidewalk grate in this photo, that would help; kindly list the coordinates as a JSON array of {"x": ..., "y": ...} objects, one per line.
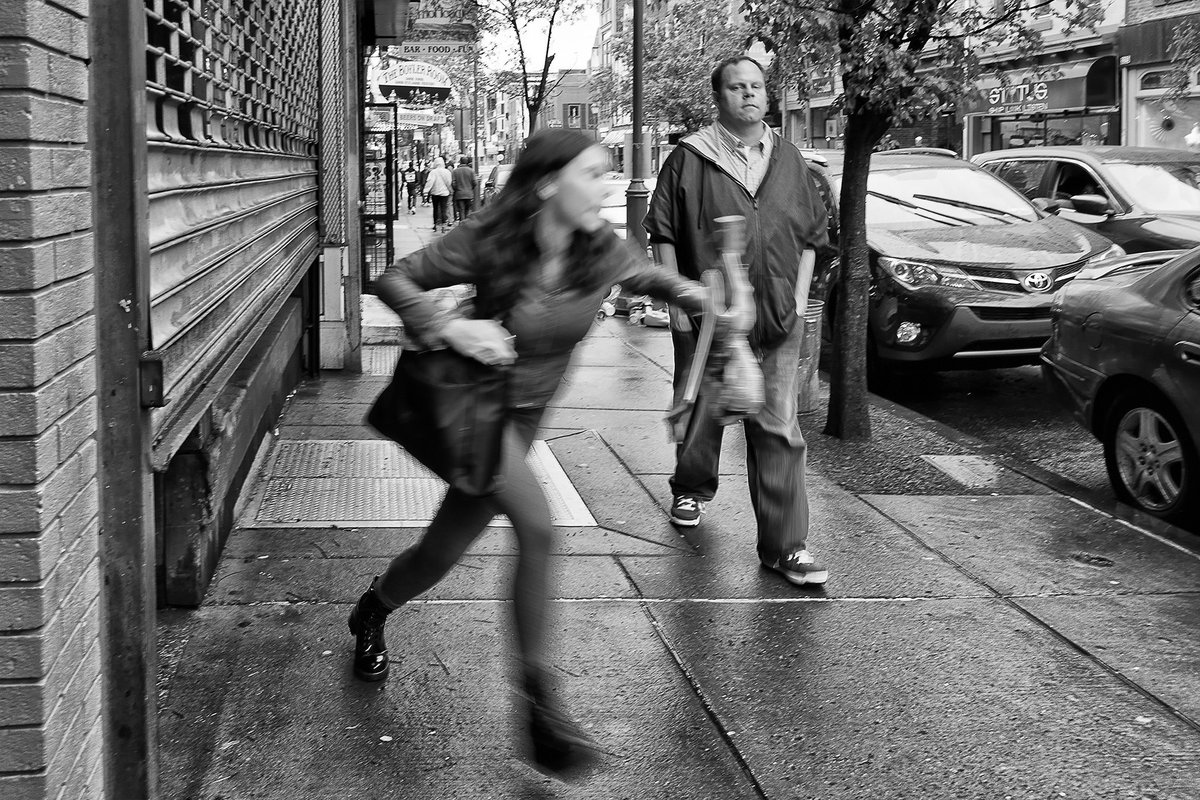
[{"x": 367, "y": 483}]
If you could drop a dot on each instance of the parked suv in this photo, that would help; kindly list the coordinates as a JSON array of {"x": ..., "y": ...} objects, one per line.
[
  {"x": 494, "y": 183},
  {"x": 1142, "y": 198},
  {"x": 963, "y": 267}
]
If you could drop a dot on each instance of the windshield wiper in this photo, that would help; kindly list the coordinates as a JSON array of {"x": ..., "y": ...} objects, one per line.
[
  {"x": 972, "y": 206},
  {"x": 923, "y": 212}
]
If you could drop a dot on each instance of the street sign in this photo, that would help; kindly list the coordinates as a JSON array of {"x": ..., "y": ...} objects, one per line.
[{"x": 424, "y": 49}]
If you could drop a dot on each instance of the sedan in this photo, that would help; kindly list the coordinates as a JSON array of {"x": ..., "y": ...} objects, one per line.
[
  {"x": 495, "y": 182},
  {"x": 1142, "y": 198},
  {"x": 1124, "y": 355}
]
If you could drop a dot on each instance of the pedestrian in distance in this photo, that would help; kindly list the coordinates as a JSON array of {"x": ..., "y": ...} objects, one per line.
[
  {"x": 422, "y": 178},
  {"x": 439, "y": 187},
  {"x": 542, "y": 260},
  {"x": 410, "y": 186},
  {"x": 464, "y": 189},
  {"x": 739, "y": 166}
]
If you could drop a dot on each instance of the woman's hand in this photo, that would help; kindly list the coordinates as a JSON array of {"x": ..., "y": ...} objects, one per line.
[{"x": 484, "y": 340}]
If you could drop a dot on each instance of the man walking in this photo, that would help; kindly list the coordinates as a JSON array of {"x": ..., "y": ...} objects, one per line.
[
  {"x": 410, "y": 185},
  {"x": 738, "y": 166},
  {"x": 464, "y": 189}
]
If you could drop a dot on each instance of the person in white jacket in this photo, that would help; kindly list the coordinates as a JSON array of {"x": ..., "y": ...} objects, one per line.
[{"x": 438, "y": 187}]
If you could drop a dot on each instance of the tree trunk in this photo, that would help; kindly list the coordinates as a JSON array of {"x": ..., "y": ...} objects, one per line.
[{"x": 848, "y": 416}]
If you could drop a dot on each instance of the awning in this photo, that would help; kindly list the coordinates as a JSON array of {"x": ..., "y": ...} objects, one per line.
[{"x": 614, "y": 138}]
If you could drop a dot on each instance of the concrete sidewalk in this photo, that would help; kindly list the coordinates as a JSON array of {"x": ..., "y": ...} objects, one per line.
[{"x": 981, "y": 635}]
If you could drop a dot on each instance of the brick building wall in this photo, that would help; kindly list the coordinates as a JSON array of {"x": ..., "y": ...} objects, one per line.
[
  {"x": 50, "y": 662},
  {"x": 1147, "y": 10}
]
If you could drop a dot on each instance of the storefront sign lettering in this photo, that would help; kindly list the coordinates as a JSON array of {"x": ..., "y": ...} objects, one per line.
[{"x": 1019, "y": 98}]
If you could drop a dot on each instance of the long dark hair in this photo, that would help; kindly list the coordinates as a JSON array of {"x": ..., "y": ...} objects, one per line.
[{"x": 508, "y": 226}]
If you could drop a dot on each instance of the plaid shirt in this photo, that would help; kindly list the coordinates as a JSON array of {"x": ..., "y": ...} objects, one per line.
[{"x": 747, "y": 163}]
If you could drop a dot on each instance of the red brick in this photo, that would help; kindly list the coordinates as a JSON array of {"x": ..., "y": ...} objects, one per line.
[
  {"x": 27, "y": 365},
  {"x": 42, "y": 22},
  {"x": 26, "y": 265},
  {"x": 42, "y": 216},
  {"x": 24, "y": 65},
  {"x": 42, "y": 119},
  {"x": 30, "y": 655},
  {"x": 28, "y": 703},
  {"x": 28, "y": 460},
  {"x": 22, "y": 749},
  {"x": 28, "y": 413},
  {"x": 34, "y": 169}
]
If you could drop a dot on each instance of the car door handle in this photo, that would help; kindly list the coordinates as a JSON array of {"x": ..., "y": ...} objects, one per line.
[{"x": 1188, "y": 353}]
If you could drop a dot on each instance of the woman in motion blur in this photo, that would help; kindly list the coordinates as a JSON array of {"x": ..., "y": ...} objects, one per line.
[{"x": 542, "y": 260}]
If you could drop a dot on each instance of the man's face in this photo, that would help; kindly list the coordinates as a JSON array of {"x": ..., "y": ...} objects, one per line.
[{"x": 742, "y": 98}]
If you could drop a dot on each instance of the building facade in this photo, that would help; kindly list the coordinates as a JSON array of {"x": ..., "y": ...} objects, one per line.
[{"x": 179, "y": 222}]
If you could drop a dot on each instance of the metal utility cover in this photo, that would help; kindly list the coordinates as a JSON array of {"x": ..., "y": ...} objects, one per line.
[
  {"x": 370, "y": 483},
  {"x": 973, "y": 471}
]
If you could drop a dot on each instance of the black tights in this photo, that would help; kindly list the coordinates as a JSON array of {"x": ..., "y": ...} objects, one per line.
[{"x": 460, "y": 520}]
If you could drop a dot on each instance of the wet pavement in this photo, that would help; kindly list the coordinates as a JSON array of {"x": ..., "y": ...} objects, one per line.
[{"x": 981, "y": 636}]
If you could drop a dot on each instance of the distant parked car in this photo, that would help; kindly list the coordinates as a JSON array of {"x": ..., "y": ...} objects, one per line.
[
  {"x": 1124, "y": 355},
  {"x": 1142, "y": 198},
  {"x": 614, "y": 208},
  {"x": 963, "y": 268},
  {"x": 494, "y": 182}
]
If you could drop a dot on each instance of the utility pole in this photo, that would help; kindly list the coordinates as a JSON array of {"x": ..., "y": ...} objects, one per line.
[{"x": 637, "y": 195}]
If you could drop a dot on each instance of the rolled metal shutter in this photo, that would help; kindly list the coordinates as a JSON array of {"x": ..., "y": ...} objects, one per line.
[{"x": 233, "y": 93}]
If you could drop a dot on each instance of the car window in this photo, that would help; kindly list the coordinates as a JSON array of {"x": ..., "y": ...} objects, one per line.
[
  {"x": 936, "y": 197},
  {"x": 1168, "y": 188},
  {"x": 1024, "y": 175},
  {"x": 1072, "y": 179}
]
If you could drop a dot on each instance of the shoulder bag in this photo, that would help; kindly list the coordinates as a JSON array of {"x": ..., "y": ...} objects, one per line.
[{"x": 448, "y": 411}]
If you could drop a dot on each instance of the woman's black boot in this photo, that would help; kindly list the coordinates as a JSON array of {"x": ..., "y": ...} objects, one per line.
[
  {"x": 370, "y": 650},
  {"x": 559, "y": 746}
]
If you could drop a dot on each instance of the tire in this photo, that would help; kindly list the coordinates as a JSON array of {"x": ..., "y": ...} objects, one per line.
[{"x": 1151, "y": 463}]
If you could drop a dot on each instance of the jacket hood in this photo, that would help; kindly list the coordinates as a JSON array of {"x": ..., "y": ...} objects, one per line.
[{"x": 1049, "y": 242}]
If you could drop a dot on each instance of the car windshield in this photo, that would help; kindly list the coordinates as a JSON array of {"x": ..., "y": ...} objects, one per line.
[
  {"x": 904, "y": 199},
  {"x": 1168, "y": 188}
]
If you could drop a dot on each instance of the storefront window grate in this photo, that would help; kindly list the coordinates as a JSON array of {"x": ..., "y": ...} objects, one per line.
[{"x": 233, "y": 73}]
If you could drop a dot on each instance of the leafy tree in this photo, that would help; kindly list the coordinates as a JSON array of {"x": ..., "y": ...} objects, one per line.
[
  {"x": 521, "y": 21},
  {"x": 899, "y": 61},
  {"x": 1185, "y": 55},
  {"x": 679, "y": 50}
]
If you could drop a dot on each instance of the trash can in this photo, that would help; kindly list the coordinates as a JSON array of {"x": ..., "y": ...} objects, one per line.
[{"x": 808, "y": 381}]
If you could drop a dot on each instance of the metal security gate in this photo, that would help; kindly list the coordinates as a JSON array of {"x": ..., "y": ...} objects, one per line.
[
  {"x": 234, "y": 104},
  {"x": 380, "y": 205}
]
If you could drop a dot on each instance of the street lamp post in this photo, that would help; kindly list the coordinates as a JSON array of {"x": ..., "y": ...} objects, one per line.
[{"x": 637, "y": 195}]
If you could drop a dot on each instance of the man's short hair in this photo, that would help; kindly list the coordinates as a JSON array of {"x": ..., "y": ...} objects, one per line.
[
  {"x": 465, "y": 161},
  {"x": 718, "y": 73}
]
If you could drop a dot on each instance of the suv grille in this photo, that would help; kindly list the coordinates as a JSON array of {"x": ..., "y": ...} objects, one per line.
[
  {"x": 1010, "y": 314},
  {"x": 1008, "y": 280}
]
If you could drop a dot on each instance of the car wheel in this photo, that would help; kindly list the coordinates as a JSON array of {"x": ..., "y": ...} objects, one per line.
[{"x": 1151, "y": 463}]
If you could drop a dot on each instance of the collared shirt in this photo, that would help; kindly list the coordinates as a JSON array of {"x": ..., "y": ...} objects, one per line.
[{"x": 747, "y": 163}]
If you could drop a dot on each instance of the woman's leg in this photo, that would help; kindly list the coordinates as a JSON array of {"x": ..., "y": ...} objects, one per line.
[{"x": 458, "y": 522}]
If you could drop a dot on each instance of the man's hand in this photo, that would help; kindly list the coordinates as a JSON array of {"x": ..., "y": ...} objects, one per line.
[{"x": 484, "y": 340}]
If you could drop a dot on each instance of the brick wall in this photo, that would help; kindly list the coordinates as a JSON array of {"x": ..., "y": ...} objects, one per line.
[
  {"x": 50, "y": 701},
  {"x": 1146, "y": 10}
]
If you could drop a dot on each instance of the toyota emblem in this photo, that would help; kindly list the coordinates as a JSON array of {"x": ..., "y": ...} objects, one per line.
[{"x": 1037, "y": 282}]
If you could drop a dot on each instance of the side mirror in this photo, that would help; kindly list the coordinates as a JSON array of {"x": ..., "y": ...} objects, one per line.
[{"x": 1095, "y": 204}]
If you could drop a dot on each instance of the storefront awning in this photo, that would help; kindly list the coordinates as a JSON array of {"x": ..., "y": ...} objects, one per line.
[
  {"x": 613, "y": 138},
  {"x": 1075, "y": 86}
]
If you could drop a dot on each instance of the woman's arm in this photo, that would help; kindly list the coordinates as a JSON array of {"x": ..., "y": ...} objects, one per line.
[
  {"x": 639, "y": 275},
  {"x": 450, "y": 261}
]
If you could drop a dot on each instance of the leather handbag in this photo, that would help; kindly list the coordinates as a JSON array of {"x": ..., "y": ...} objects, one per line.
[{"x": 448, "y": 411}]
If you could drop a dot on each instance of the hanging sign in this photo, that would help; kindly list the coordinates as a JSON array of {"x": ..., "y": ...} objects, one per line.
[{"x": 441, "y": 47}]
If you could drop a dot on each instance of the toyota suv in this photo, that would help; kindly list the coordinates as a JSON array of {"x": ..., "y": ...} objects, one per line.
[{"x": 963, "y": 267}]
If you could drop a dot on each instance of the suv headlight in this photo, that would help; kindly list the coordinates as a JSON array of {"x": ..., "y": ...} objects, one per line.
[
  {"x": 1116, "y": 251},
  {"x": 915, "y": 273},
  {"x": 1089, "y": 271}
]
